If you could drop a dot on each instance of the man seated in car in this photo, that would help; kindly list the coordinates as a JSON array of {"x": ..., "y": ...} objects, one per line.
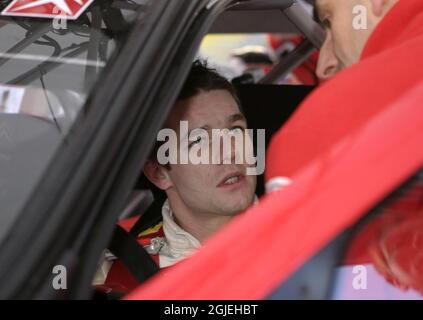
[{"x": 201, "y": 198}]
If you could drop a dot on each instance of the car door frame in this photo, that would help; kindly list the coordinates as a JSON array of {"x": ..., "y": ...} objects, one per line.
[{"x": 70, "y": 217}]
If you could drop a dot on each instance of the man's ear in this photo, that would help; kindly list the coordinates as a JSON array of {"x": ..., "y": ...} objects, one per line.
[
  {"x": 157, "y": 175},
  {"x": 378, "y": 7}
]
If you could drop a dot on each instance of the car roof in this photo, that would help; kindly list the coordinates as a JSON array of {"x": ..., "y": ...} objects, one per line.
[{"x": 270, "y": 16}]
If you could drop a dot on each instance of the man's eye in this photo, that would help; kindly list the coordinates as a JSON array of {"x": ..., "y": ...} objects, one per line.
[
  {"x": 197, "y": 140},
  {"x": 236, "y": 129},
  {"x": 326, "y": 23}
]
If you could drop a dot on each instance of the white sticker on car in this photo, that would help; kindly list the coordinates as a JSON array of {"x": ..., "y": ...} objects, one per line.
[{"x": 11, "y": 99}]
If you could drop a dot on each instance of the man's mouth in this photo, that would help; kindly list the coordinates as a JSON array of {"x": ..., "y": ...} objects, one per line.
[{"x": 231, "y": 179}]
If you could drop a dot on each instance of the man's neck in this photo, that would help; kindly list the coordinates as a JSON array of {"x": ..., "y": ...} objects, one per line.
[{"x": 199, "y": 225}]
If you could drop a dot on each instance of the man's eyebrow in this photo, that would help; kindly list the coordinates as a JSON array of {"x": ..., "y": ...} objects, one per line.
[
  {"x": 231, "y": 119},
  {"x": 205, "y": 127},
  {"x": 236, "y": 117}
]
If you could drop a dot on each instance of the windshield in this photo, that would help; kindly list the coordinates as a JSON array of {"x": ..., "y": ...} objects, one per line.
[{"x": 49, "y": 63}]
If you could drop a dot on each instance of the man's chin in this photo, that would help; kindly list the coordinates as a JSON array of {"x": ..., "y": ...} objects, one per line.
[{"x": 233, "y": 207}]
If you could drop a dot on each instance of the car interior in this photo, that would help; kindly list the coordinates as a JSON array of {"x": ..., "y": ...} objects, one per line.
[
  {"x": 266, "y": 103},
  {"x": 58, "y": 108}
]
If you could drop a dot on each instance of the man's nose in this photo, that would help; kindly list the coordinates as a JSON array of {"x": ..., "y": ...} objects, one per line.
[
  {"x": 328, "y": 64},
  {"x": 232, "y": 152}
]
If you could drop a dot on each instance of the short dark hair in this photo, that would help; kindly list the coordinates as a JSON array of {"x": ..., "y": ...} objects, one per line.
[{"x": 203, "y": 78}]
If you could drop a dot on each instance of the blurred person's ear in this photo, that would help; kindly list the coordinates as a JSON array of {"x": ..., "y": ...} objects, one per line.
[
  {"x": 157, "y": 175},
  {"x": 379, "y": 7}
]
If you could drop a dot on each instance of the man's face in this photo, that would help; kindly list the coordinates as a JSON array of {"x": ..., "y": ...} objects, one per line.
[
  {"x": 204, "y": 188},
  {"x": 344, "y": 43}
]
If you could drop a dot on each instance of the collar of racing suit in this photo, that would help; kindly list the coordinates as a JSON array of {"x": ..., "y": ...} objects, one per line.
[
  {"x": 403, "y": 22},
  {"x": 178, "y": 243}
]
